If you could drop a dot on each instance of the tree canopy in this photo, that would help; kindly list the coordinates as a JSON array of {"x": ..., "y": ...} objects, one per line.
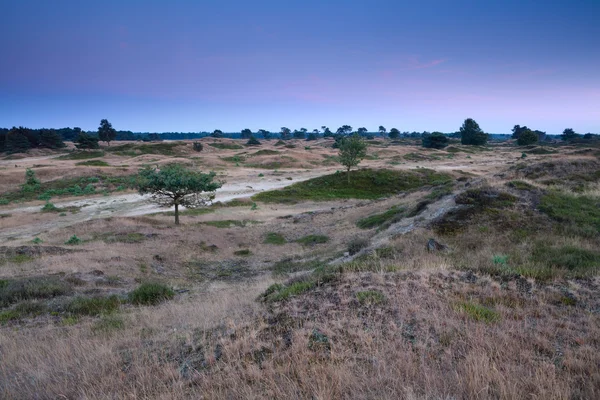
[
  {"x": 527, "y": 137},
  {"x": 471, "y": 133},
  {"x": 246, "y": 133},
  {"x": 175, "y": 185},
  {"x": 435, "y": 140},
  {"x": 217, "y": 133},
  {"x": 569, "y": 134},
  {"x": 352, "y": 150},
  {"x": 382, "y": 130},
  {"x": 394, "y": 133},
  {"x": 106, "y": 132},
  {"x": 85, "y": 141}
]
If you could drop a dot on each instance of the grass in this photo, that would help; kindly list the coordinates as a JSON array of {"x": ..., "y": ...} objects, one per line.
[
  {"x": 577, "y": 214},
  {"x": 279, "y": 292},
  {"x": 478, "y": 312},
  {"x": 93, "y": 163},
  {"x": 370, "y": 297},
  {"x": 22, "y": 310},
  {"x": 288, "y": 266},
  {"x": 520, "y": 185},
  {"x": 135, "y": 149},
  {"x": 311, "y": 240},
  {"x": 73, "y": 240},
  {"x": 151, "y": 294},
  {"x": 226, "y": 146},
  {"x": 275, "y": 238},
  {"x": 228, "y": 223},
  {"x": 234, "y": 159},
  {"x": 82, "y": 155},
  {"x": 265, "y": 152},
  {"x": 579, "y": 262},
  {"x": 94, "y": 306},
  {"x": 189, "y": 211},
  {"x": 364, "y": 184},
  {"x": 383, "y": 219},
  {"x": 243, "y": 253},
  {"x": 130, "y": 237},
  {"x": 15, "y": 290}
]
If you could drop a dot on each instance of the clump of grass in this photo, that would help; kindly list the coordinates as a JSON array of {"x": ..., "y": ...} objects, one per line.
[
  {"x": 243, "y": 253},
  {"x": 23, "y": 310},
  {"x": 94, "y": 305},
  {"x": 278, "y": 292},
  {"x": 49, "y": 207},
  {"x": 486, "y": 197},
  {"x": 93, "y": 163},
  {"x": 265, "y": 152},
  {"x": 275, "y": 238},
  {"x": 478, "y": 312},
  {"x": 73, "y": 240},
  {"x": 15, "y": 290},
  {"x": 383, "y": 219},
  {"x": 228, "y": 223},
  {"x": 500, "y": 259},
  {"x": 311, "y": 240},
  {"x": 580, "y": 262},
  {"x": 578, "y": 214},
  {"x": 37, "y": 240},
  {"x": 520, "y": 185},
  {"x": 151, "y": 294},
  {"x": 235, "y": 159},
  {"x": 370, "y": 297},
  {"x": 108, "y": 323},
  {"x": 357, "y": 244},
  {"x": 364, "y": 184},
  {"x": 81, "y": 155},
  {"x": 288, "y": 266}
]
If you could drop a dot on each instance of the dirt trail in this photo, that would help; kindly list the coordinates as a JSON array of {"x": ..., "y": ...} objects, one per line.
[{"x": 132, "y": 204}]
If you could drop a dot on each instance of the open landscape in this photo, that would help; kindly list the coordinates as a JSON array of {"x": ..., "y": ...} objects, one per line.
[{"x": 462, "y": 272}]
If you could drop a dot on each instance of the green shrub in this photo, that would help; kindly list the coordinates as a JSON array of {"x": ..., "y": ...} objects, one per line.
[
  {"x": 81, "y": 155},
  {"x": 93, "y": 163},
  {"x": 370, "y": 297},
  {"x": 357, "y": 244},
  {"x": 15, "y": 290},
  {"x": 243, "y": 253},
  {"x": 94, "y": 305},
  {"x": 275, "y": 238},
  {"x": 386, "y": 218},
  {"x": 37, "y": 240},
  {"x": 578, "y": 214},
  {"x": 151, "y": 294},
  {"x": 311, "y": 240},
  {"x": 108, "y": 323},
  {"x": 226, "y": 146},
  {"x": 478, "y": 312},
  {"x": 73, "y": 240}
]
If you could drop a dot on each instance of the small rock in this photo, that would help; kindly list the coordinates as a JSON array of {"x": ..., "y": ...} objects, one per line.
[{"x": 434, "y": 245}]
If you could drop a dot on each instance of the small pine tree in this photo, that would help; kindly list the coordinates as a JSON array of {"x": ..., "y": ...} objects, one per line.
[
  {"x": 352, "y": 150},
  {"x": 253, "y": 141}
]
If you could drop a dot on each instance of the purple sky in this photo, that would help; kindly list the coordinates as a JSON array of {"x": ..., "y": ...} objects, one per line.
[{"x": 203, "y": 65}]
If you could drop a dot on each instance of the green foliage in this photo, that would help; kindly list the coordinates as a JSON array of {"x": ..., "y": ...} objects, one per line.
[
  {"x": 370, "y": 297},
  {"x": 81, "y": 155},
  {"x": 93, "y": 163},
  {"x": 527, "y": 138},
  {"x": 151, "y": 294},
  {"x": 486, "y": 197},
  {"x": 478, "y": 312},
  {"x": 85, "y": 141},
  {"x": 471, "y": 133},
  {"x": 197, "y": 146},
  {"x": 135, "y": 149},
  {"x": 23, "y": 310},
  {"x": 226, "y": 146},
  {"x": 579, "y": 261},
  {"x": 278, "y": 292},
  {"x": 49, "y": 207},
  {"x": 15, "y": 290},
  {"x": 253, "y": 141},
  {"x": 352, "y": 150},
  {"x": 175, "y": 185},
  {"x": 37, "y": 240},
  {"x": 30, "y": 178},
  {"x": 569, "y": 135},
  {"x": 73, "y": 240},
  {"x": 520, "y": 185},
  {"x": 275, "y": 238},
  {"x": 366, "y": 184},
  {"x": 394, "y": 133},
  {"x": 578, "y": 214},
  {"x": 500, "y": 259},
  {"x": 94, "y": 305},
  {"x": 311, "y": 240},
  {"x": 288, "y": 266},
  {"x": 435, "y": 140},
  {"x": 243, "y": 253},
  {"x": 108, "y": 323},
  {"x": 357, "y": 244},
  {"x": 16, "y": 142},
  {"x": 106, "y": 132},
  {"x": 383, "y": 219}
]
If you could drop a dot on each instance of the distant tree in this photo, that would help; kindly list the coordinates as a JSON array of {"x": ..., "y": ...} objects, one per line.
[
  {"x": 85, "y": 141},
  {"x": 299, "y": 134},
  {"x": 265, "y": 133},
  {"x": 590, "y": 136},
  {"x": 471, "y": 133},
  {"x": 312, "y": 136},
  {"x": 569, "y": 134},
  {"x": 285, "y": 133},
  {"x": 527, "y": 138},
  {"x": 316, "y": 132},
  {"x": 217, "y": 133},
  {"x": 435, "y": 140},
  {"x": 16, "y": 141},
  {"x": 253, "y": 141},
  {"x": 352, "y": 150},
  {"x": 174, "y": 185},
  {"x": 517, "y": 130},
  {"x": 361, "y": 131},
  {"x": 394, "y": 133},
  {"x": 326, "y": 132},
  {"x": 50, "y": 139},
  {"x": 304, "y": 130},
  {"x": 106, "y": 132},
  {"x": 344, "y": 130},
  {"x": 382, "y": 131},
  {"x": 246, "y": 133},
  {"x": 197, "y": 146}
]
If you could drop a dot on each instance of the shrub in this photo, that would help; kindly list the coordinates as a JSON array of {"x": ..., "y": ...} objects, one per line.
[
  {"x": 369, "y": 297},
  {"x": 357, "y": 244},
  {"x": 275, "y": 238},
  {"x": 151, "y": 294},
  {"x": 49, "y": 207},
  {"x": 73, "y": 240},
  {"x": 253, "y": 141},
  {"x": 311, "y": 240},
  {"x": 527, "y": 138},
  {"x": 436, "y": 140},
  {"x": 198, "y": 146},
  {"x": 14, "y": 290},
  {"x": 243, "y": 253},
  {"x": 478, "y": 312},
  {"x": 94, "y": 305}
]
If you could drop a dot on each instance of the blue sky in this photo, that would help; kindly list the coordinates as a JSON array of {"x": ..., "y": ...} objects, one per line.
[{"x": 204, "y": 65}]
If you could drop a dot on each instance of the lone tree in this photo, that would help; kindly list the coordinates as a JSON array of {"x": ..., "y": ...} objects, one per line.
[
  {"x": 106, "y": 132},
  {"x": 352, "y": 150},
  {"x": 394, "y": 133},
  {"x": 527, "y": 137},
  {"x": 382, "y": 131},
  {"x": 471, "y": 133},
  {"x": 435, "y": 140},
  {"x": 217, "y": 133},
  {"x": 174, "y": 185},
  {"x": 253, "y": 141},
  {"x": 568, "y": 135},
  {"x": 285, "y": 133},
  {"x": 265, "y": 133},
  {"x": 246, "y": 133}
]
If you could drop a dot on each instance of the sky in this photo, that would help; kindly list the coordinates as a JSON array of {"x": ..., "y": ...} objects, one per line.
[{"x": 201, "y": 65}]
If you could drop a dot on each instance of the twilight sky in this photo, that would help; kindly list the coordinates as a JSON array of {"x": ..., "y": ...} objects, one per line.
[{"x": 199, "y": 65}]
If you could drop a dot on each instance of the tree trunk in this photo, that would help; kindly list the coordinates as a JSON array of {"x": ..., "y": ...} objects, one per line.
[
  {"x": 348, "y": 175},
  {"x": 176, "y": 214}
]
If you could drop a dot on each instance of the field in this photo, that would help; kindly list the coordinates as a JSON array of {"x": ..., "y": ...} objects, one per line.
[{"x": 464, "y": 273}]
